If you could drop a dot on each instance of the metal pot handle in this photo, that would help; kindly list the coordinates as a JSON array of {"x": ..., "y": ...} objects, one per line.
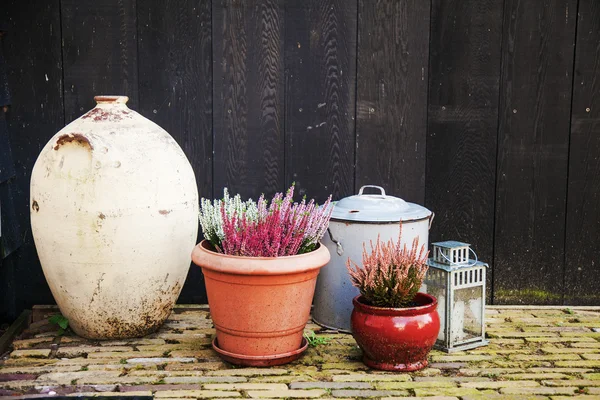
[
  {"x": 360, "y": 191},
  {"x": 431, "y": 217},
  {"x": 340, "y": 249}
]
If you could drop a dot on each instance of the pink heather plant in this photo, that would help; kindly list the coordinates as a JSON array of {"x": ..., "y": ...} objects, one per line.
[
  {"x": 390, "y": 275},
  {"x": 275, "y": 229}
]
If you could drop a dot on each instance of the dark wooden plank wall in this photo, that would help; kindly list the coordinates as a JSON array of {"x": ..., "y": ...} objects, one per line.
[
  {"x": 248, "y": 96},
  {"x": 99, "y": 39},
  {"x": 320, "y": 91},
  {"x": 175, "y": 89},
  {"x": 33, "y": 51},
  {"x": 582, "y": 253},
  {"x": 533, "y": 140},
  {"x": 391, "y": 126},
  {"x": 464, "y": 81},
  {"x": 485, "y": 111}
]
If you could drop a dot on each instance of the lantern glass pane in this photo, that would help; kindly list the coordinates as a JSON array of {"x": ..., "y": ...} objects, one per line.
[
  {"x": 435, "y": 285},
  {"x": 467, "y": 314}
]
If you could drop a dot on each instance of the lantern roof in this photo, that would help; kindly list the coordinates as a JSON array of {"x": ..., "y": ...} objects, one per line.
[
  {"x": 449, "y": 244},
  {"x": 454, "y": 267}
]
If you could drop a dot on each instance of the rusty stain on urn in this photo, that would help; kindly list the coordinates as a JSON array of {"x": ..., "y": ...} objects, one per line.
[
  {"x": 77, "y": 138},
  {"x": 35, "y": 206},
  {"x": 101, "y": 216},
  {"x": 164, "y": 212}
]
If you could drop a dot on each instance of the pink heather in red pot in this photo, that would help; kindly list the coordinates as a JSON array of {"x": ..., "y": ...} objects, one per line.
[{"x": 275, "y": 229}]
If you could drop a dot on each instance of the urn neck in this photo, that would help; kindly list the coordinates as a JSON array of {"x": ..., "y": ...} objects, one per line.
[{"x": 111, "y": 99}]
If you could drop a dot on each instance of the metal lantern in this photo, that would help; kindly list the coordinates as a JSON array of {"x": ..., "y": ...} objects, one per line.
[{"x": 458, "y": 283}]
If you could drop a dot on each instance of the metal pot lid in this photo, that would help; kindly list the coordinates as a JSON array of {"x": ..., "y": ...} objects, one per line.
[{"x": 377, "y": 208}]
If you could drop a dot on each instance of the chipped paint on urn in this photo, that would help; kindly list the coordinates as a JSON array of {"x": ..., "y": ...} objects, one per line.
[{"x": 114, "y": 215}]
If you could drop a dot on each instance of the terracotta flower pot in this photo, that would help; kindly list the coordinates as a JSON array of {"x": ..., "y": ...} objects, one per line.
[
  {"x": 396, "y": 339},
  {"x": 259, "y": 305}
]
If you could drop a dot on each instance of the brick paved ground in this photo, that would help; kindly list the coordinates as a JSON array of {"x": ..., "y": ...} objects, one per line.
[{"x": 534, "y": 353}]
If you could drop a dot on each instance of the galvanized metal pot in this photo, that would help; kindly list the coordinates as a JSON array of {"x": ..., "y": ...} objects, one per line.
[{"x": 356, "y": 220}]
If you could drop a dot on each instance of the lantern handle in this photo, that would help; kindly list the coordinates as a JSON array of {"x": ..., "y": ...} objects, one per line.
[
  {"x": 360, "y": 191},
  {"x": 468, "y": 265}
]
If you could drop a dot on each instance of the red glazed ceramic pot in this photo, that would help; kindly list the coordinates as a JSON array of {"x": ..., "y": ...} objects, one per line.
[{"x": 396, "y": 339}]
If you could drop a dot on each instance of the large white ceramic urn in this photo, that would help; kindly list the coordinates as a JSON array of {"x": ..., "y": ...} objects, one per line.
[{"x": 114, "y": 214}]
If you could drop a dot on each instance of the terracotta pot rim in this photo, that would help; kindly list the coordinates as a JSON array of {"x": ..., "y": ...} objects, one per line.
[
  {"x": 205, "y": 257},
  {"x": 429, "y": 304}
]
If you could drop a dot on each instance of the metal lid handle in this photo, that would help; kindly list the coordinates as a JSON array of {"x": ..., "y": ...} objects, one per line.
[{"x": 360, "y": 192}]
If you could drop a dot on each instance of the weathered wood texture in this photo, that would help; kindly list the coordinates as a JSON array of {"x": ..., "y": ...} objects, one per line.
[
  {"x": 248, "y": 96},
  {"x": 320, "y": 66},
  {"x": 391, "y": 111},
  {"x": 99, "y": 52},
  {"x": 175, "y": 89},
  {"x": 582, "y": 253},
  {"x": 533, "y": 137},
  {"x": 33, "y": 53},
  {"x": 464, "y": 81},
  {"x": 484, "y": 111}
]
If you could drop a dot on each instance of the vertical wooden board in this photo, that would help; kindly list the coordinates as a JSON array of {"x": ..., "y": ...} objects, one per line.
[
  {"x": 248, "y": 96},
  {"x": 320, "y": 65},
  {"x": 393, "y": 49},
  {"x": 175, "y": 80},
  {"x": 99, "y": 52},
  {"x": 464, "y": 76},
  {"x": 33, "y": 53},
  {"x": 582, "y": 285},
  {"x": 537, "y": 66}
]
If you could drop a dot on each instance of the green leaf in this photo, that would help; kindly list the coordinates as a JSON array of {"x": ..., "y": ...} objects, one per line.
[
  {"x": 59, "y": 320},
  {"x": 314, "y": 340}
]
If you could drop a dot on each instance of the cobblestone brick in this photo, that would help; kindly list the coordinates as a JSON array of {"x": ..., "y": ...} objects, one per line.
[
  {"x": 31, "y": 343},
  {"x": 160, "y": 360},
  {"x": 562, "y": 350},
  {"x": 330, "y": 385},
  {"x": 453, "y": 391},
  {"x": 414, "y": 385},
  {"x": 370, "y": 378},
  {"x": 533, "y": 376},
  {"x": 498, "y": 384},
  {"x": 30, "y": 353},
  {"x": 78, "y": 351},
  {"x": 572, "y": 382},
  {"x": 495, "y": 396},
  {"x": 286, "y": 394},
  {"x": 578, "y": 364},
  {"x": 249, "y": 372},
  {"x": 539, "y": 390},
  {"x": 547, "y": 357},
  {"x": 459, "y": 358},
  {"x": 553, "y": 354},
  {"x": 368, "y": 393},
  {"x": 422, "y": 398},
  {"x": 246, "y": 386},
  {"x": 137, "y": 393},
  {"x": 204, "y": 379},
  {"x": 198, "y": 394}
]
